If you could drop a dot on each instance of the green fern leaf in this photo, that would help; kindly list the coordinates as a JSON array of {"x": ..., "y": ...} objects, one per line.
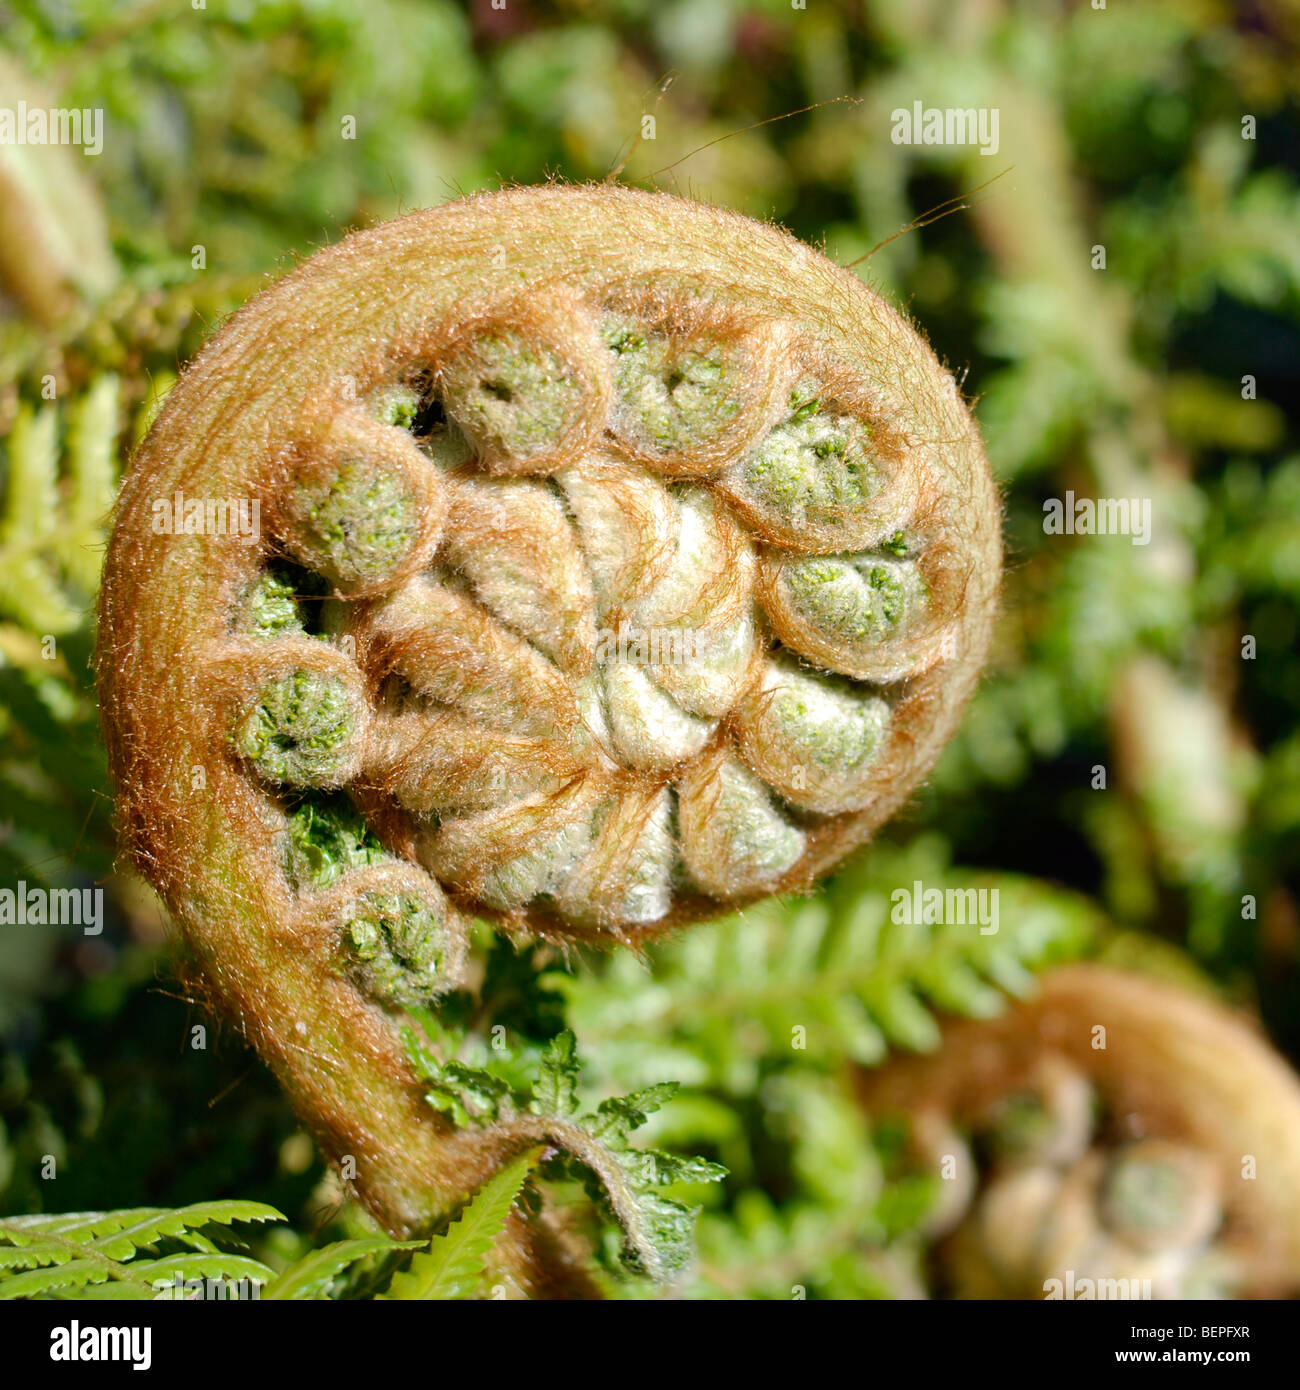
[
  {"x": 70, "y": 1225},
  {"x": 556, "y": 1091},
  {"x": 54, "y": 1251},
  {"x": 29, "y": 589},
  {"x": 34, "y": 1253},
  {"x": 465, "y": 1094},
  {"x": 91, "y": 479},
  {"x": 52, "y": 528},
  {"x": 110, "y": 1291},
  {"x": 453, "y": 1265},
  {"x": 80, "y": 1249},
  {"x": 658, "y": 1230},
  {"x": 116, "y": 1234},
  {"x": 162, "y": 1273},
  {"x": 836, "y": 975},
  {"x": 72, "y": 1274},
  {"x": 624, "y": 1182},
  {"x": 617, "y": 1117},
  {"x": 311, "y": 1276},
  {"x": 148, "y": 1226}
]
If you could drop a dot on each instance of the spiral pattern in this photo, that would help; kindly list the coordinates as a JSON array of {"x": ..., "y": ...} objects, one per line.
[
  {"x": 622, "y": 559},
  {"x": 1064, "y": 1198},
  {"x": 1115, "y": 1128}
]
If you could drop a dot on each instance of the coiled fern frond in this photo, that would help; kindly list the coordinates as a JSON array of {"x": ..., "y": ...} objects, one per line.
[
  {"x": 1115, "y": 1128},
  {"x": 621, "y": 558}
]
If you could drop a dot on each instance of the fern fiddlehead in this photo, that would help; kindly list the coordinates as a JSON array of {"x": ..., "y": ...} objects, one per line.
[
  {"x": 621, "y": 560},
  {"x": 1115, "y": 1128}
]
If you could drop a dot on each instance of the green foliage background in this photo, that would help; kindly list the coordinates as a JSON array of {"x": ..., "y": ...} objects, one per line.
[{"x": 1120, "y": 128}]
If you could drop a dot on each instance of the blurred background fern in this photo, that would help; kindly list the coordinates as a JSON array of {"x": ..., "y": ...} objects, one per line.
[{"x": 226, "y": 157}]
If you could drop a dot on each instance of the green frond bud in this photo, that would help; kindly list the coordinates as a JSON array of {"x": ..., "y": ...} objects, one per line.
[
  {"x": 824, "y": 479},
  {"x": 302, "y": 731},
  {"x": 397, "y": 404},
  {"x": 735, "y": 840},
  {"x": 280, "y": 601},
  {"x": 355, "y": 527},
  {"x": 1160, "y": 1195},
  {"x": 522, "y": 400},
  {"x": 326, "y": 837},
  {"x": 858, "y": 600},
  {"x": 672, "y": 398},
  {"x": 272, "y": 605},
  {"x": 813, "y": 738},
  {"x": 396, "y": 944}
]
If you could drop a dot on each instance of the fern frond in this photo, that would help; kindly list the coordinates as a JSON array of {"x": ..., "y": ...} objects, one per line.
[
  {"x": 77, "y": 1249},
  {"x": 556, "y": 1089},
  {"x": 453, "y": 1265},
  {"x": 594, "y": 1149},
  {"x": 834, "y": 977},
  {"x": 74, "y": 1274},
  {"x": 38, "y": 1253},
  {"x": 30, "y": 590},
  {"x": 117, "y": 1233},
  {"x": 149, "y": 1226},
  {"x": 110, "y": 1291},
  {"x": 52, "y": 528},
  {"x": 658, "y": 1231},
  {"x": 311, "y": 1276},
  {"x": 94, "y": 422},
  {"x": 64, "y": 1263},
  {"x": 218, "y": 1266}
]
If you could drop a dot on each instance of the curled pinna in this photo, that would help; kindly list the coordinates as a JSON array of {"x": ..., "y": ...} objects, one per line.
[{"x": 612, "y": 561}]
